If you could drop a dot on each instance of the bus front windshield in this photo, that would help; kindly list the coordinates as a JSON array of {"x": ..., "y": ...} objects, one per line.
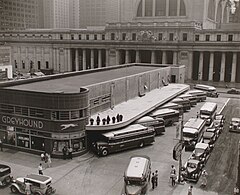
[
  {"x": 189, "y": 135},
  {"x": 131, "y": 181}
]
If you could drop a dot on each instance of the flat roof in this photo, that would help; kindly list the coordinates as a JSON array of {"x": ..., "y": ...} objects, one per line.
[
  {"x": 72, "y": 83},
  {"x": 136, "y": 167},
  {"x": 194, "y": 123}
]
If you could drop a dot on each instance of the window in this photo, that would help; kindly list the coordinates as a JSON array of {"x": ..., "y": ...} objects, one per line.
[
  {"x": 134, "y": 36},
  {"x": 103, "y": 37},
  {"x": 39, "y": 65},
  {"x": 95, "y": 37},
  {"x": 15, "y": 62},
  {"x": 23, "y": 64},
  {"x": 63, "y": 115},
  {"x": 87, "y": 37},
  {"x": 196, "y": 37},
  {"x": 160, "y": 36},
  {"x": 230, "y": 37},
  {"x": 124, "y": 36},
  {"x": 184, "y": 36},
  {"x": 218, "y": 37},
  {"x": 170, "y": 36},
  {"x": 47, "y": 65},
  {"x": 72, "y": 37},
  {"x": 112, "y": 36},
  {"x": 79, "y": 37},
  {"x": 207, "y": 38},
  {"x": 75, "y": 114},
  {"x": 61, "y": 36}
]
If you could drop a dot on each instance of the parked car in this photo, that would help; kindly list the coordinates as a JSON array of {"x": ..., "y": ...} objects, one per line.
[
  {"x": 233, "y": 91},
  {"x": 201, "y": 152},
  {"x": 39, "y": 184},
  {"x": 219, "y": 121},
  {"x": 209, "y": 138},
  {"x": 5, "y": 175},
  {"x": 192, "y": 170},
  {"x": 214, "y": 130},
  {"x": 235, "y": 125}
]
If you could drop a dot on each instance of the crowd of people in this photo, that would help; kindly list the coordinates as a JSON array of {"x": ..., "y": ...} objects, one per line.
[{"x": 107, "y": 120}]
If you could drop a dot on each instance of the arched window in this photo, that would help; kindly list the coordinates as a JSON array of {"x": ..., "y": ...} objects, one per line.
[
  {"x": 211, "y": 9},
  {"x": 219, "y": 12},
  {"x": 172, "y": 7},
  {"x": 148, "y": 7},
  {"x": 160, "y": 7},
  {"x": 139, "y": 10},
  {"x": 182, "y": 8}
]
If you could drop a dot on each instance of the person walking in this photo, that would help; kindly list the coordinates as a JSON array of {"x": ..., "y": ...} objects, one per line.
[
  {"x": 190, "y": 190},
  {"x": 40, "y": 169},
  {"x": 64, "y": 151},
  {"x": 49, "y": 161},
  {"x": 156, "y": 178},
  {"x": 153, "y": 180},
  {"x": 204, "y": 178},
  {"x": 1, "y": 145},
  {"x": 98, "y": 120},
  {"x": 70, "y": 150},
  {"x": 173, "y": 175}
]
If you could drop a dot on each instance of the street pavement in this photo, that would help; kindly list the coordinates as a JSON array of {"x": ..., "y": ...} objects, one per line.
[{"x": 89, "y": 174}]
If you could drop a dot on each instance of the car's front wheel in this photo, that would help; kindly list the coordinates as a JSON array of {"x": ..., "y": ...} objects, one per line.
[
  {"x": 104, "y": 152},
  {"x": 14, "y": 189}
]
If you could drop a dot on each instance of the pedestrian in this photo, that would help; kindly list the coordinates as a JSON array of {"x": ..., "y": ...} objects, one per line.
[
  {"x": 204, "y": 178},
  {"x": 42, "y": 157},
  {"x": 1, "y": 145},
  {"x": 49, "y": 161},
  {"x": 197, "y": 115},
  {"x": 104, "y": 121},
  {"x": 113, "y": 119},
  {"x": 64, "y": 151},
  {"x": 173, "y": 175},
  {"x": 118, "y": 117},
  {"x": 153, "y": 179},
  {"x": 156, "y": 178},
  {"x": 190, "y": 190},
  {"x": 40, "y": 169},
  {"x": 108, "y": 119},
  {"x": 70, "y": 150},
  {"x": 98, "y": 120},
  {"x": 91, "y": 121},
  {"x": 46, "y": 157},
  {"x": 28, "y": 188}
]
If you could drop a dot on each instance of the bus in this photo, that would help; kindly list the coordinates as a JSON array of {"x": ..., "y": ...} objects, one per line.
[
  {"x": 208, "y": 112},
  {"x": 137, "y": 175},
  {"x": 132, "y": 136},
  {"x": 171, "y": 105},
  {"x": 211, "y": 91},
  {"x": 184, "y": 102},
  {"x": 192, "y": 132},
  {"x": 169, "y": 115},
  {"x": 157, "y": 123},
  {"x": 191, "y": 98},
  {"x": 199, "y": 94}
]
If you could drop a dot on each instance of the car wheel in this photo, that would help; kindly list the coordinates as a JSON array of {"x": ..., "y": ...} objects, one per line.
[
  {"x": 14, "y": 189},
  {"x": 141, "y": 144},
  {"x": 104, "y": 152}
]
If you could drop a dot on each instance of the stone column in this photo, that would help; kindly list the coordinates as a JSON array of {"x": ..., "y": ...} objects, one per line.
[
  {"x": 69, "y": 59},
  {"x": 164, "y": 57},
  {"x": 143, "y": 8},
  {"x": 127, "y": 57},
  {"x": 50, "y": 63},
  {"x": 223, "y": 61},
  {"x": 167, "y": 8},
  {"x": 234, "y": 66},
  {"x": 154, "y": 8},
  {"x": 99, "y": 58},
  {"x": 210, "y": 77},
  {"x": 84, "y": 59},
  {"x": 153, "y": 57},
  {"x": 107, "y": 57},
  {"x": 175, "y": 57},
  {"x": 178, "y": 7},
  {"x": 92, "y": 59},
  {"x": 76, "y": 59},
  {"x": 190, "y": 65},
  {"x": 58, "y": 61},
  {"x": 137, "y": 60},
  {"x": 200, "y": 69}
]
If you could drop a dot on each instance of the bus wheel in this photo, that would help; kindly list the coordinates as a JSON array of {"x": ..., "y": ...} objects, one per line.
[
  {"x": 104, "y": 152},
  {"x": 141, "y": 144}
]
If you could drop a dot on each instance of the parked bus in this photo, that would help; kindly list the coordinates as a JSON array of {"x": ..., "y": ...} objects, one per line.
[
  {"x": 157, "y": 123},
  {"x": 211, "y": 91},
  {"x": 191, "y": 98},
  {"x": 208, "y": 112},
  {"x": 131, "y": 136},
  {"x": 199, "y": 94},
  {"x": 192, "y": 132},
  {"x": 169, "y": 115},
  {"x": 137, "y": 175},
  {"x": 171, "y": 105},
  {"x": 184, "y": 102}
]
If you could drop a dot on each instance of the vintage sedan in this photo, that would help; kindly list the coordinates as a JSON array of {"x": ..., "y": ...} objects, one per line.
[
  {"x": 233, "y": 91},
  {"x": 214, "y": 130},
  {"x": 209, "y": 138},
  {"x": 192, "y": 170},
  {"x": 5, "y": 175},
  {"x": 201, "y": 152},
  {"x": 235, "y": 125},
  {"x": 219, "y": 121}
]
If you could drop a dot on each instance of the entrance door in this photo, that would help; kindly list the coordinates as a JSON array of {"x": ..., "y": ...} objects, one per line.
[{"x": 173, "y": 78}]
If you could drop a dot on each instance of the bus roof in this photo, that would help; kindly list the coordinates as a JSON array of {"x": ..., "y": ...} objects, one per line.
[
  {"x": 196, "y": 91},
  {"x": 177, "y": 100},
  {"x": 205, "y": 87},
  {"x": 137, "y": 166},
  {"x": 169, "y": 105},
  {"x": 128, "y": 129},
  {"x": 186, "y": 96},
  {"x": 209, "y": 106},
  {"x": 195, "y": 123},
  {"x": 163, "y": 111},
  {"x": 189, "y": 130},
  {"x": 145, "y": 119}
]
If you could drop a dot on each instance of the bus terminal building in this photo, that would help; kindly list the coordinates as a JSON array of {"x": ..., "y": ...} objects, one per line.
[{"x": 50, "y": 112}]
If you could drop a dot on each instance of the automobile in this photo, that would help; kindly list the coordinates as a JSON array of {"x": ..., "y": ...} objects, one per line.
[
  {"x": 209, "y": 138},
  {"x": 201, "y": 152},
  {"x": 219, "y": 121},
  {"x": 233, "y": 91},
  {"x": 235, "y": 125},
  {"x": 214, "y": 130},
  {"x": 39, "y": 185},
  {"x": 192, "y": 170},
  {"x": 5, "y": 175}
]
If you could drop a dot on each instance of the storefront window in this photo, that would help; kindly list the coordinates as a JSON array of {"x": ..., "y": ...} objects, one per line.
[
  {"x": 23, "y": 140},
  {"x": 78, "y": 144},
  {"x": 37, "y": 143},
  {"x": 58, "y": 145}
]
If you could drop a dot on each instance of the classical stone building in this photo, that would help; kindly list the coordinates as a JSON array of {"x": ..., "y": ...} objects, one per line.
[{"x": 190, "y": 32}]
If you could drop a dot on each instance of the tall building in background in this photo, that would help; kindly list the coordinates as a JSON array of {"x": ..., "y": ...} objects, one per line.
[
  {"x": 19, "y": 14},
  {"x": 61, "y": 13}
]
